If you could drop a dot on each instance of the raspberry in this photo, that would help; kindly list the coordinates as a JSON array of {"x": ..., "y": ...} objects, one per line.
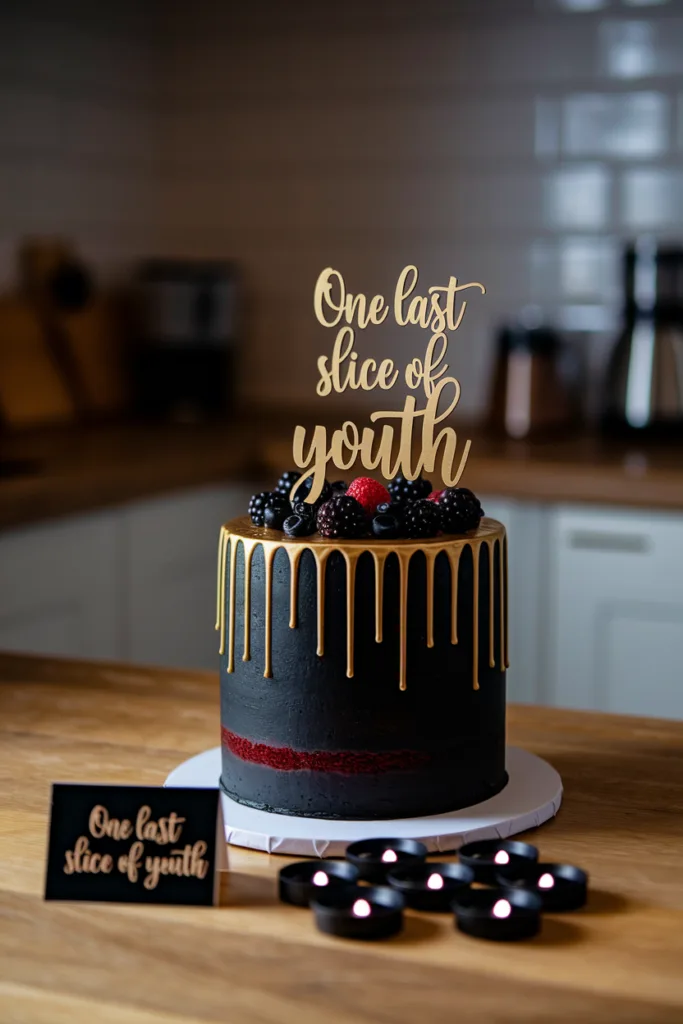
[
  {"x": 402, "y": 490},
  {"x": 435, "y": 495},
  {"x": 368, "y": 492},
  {"x": 421, "y": 519},
  {"x": 342, "y": 517},
  {"x": 460, "y": 510},
  {"x": 257, "y": 506}
]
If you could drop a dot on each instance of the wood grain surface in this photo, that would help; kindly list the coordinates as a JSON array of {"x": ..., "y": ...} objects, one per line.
[
  {"x": 255, "y": 961},
  {"x": 78, "y": 470}
]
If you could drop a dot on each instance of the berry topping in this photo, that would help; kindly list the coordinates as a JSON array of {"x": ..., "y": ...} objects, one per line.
[
  {"x": 257, "y": 506},
  {"x": 459, "y": 509},
  {"x": 386, "y": 526},
  {"x": 287, "y": 481},
  {"x": 402, "y": 490},
  {"x": 276, "y": 511},
  {"x": 305, "y": 490},
  {"x": 339, "y": 485},
  {"x": 370, "y": 493},
  {"x": 421, "y": 519},
  {"x": 342, "y": 517},
  {"x": 299, "y": 526},
  {"x": 435, "y": 495}
]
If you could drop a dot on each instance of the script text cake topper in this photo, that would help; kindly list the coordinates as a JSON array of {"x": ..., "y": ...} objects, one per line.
[{"x": 440, "y": 311}]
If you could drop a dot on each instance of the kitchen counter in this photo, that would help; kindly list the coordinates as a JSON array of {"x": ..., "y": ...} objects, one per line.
[
  {"x": 255, "y": 960},
  {"x": 77, "y": 470}
]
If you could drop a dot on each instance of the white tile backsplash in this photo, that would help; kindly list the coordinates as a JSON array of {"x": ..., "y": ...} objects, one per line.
[{"x": 518, "y": 142}]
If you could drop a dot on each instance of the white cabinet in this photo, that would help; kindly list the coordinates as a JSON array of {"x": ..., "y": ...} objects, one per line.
[
  {"x": 61, "y": 588},
  {"x": 616, "y": 584},
  {"x": 133, "y": 584},
  {"x": 171, "y": 548}
]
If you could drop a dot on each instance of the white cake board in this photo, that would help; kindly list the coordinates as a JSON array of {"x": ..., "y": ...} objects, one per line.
[{"x": 532, "y": 796}]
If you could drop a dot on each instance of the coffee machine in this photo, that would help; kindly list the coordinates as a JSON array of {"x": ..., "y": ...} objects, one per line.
[{"x": 644, "y": 385}]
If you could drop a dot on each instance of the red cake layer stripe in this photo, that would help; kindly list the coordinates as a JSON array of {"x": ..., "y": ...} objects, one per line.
[{"x": 346, "y": 762}]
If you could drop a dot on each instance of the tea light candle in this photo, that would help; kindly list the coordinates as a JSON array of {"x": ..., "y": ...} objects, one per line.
[
  {"x": 359, "y": 912},
  {"x": 488, "y": 856},
  {"x": 301, "y": 881},
  {"x": 375, "y": 857},
  {"x": 430, "y": 886},
  {"x": 502, "y": 915},
  {"x": 560, "y": 886}
]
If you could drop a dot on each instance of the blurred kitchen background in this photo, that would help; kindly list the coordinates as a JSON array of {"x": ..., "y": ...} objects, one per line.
[{"x": 174, "y": 176}]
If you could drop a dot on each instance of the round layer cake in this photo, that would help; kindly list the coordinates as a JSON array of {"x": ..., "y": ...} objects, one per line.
[{"x": 362, "y": 679}]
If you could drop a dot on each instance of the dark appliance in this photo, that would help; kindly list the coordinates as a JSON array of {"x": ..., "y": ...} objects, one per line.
[
  {"x": 644, "y": 385},
  {"x": 185, "y": 356}
]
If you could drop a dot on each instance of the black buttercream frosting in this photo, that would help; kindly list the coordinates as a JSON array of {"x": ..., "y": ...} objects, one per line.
[{"x": 453, "y": 735}]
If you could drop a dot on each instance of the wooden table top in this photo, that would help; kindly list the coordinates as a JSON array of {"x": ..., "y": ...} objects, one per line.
[
  {"x": 256, "y": 961},
  {"x": 77, "y": 470}
]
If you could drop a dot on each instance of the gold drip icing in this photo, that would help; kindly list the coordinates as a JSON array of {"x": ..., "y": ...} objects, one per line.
[
  {"x": 248, "y": 548},
  {"x": 242, "y": 531},
  {"x": 431, "y": 562},
  {"x": 380, "y": 558},
  {"x": 321, "y": 564},
  {"x": 491, "y": 545},
  {"x": 351, "y": 562},
  {"x": 475, "y": 615},
  {"x": 269, "y": 556},
  {"x": 294, "y": 556},
  {"x": 504, "y": 541},
  {"x": 454, "y": 559}
]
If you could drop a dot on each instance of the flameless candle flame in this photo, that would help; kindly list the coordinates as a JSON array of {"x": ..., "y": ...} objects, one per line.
[
  {"x": 361, "y": 908},
  {"x": 501, "y": 908},
  {"x": 502, "y": 857},
  {"x": 320, "y": 878},
  {"x": 435, "y": 882},
  {"x": 389, "y": 857},
  {"x": 546, "y": 881}
]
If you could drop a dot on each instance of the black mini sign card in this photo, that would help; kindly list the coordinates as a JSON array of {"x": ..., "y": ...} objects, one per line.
[{"x": 135, "y": 844}]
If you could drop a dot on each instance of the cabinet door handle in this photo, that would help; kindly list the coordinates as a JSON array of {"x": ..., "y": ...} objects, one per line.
[{"x": 601, "y": 540}]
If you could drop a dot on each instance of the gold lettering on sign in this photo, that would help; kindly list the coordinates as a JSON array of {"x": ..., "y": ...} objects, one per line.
[
  {"x": 440, "y": 310},
  {"x": 189, "y": 862}
]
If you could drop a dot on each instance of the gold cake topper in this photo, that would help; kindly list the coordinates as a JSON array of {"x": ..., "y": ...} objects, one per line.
[{"x": 440, "y": 311}]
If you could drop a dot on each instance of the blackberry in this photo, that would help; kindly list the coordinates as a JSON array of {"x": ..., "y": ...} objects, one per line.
[
  {"x": 286, "y": 482},
  {"x": 299, "y": 526},
  {"x": 421, "y": 519},
  {"x": 342, "y": 517},
  {"x": 257, "y": 506},
  {"x": 459, "y": 510},
  {"x": 403, "y": 491},
  {"x": 386, "y": 526},
  {"x": 276, "y": 511}
]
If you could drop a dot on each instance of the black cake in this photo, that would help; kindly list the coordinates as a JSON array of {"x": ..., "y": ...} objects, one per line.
[{"x": 384, "y": 698}]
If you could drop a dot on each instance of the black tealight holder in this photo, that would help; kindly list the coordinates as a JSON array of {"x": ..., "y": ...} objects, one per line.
[
  {"x": 430, "y": 887},
  {"x": 300, "y": 882},
  {"x": 502, "y": 915},
  {"x": 375, "y": 857},
  {"x": 559, "y": 886},
  {"x": 488, "y": 856},
  {"x": 359, "y": 912}
]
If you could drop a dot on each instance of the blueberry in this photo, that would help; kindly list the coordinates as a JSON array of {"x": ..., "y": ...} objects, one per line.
[
  {"x": 299, "y": 526},
  {"x": 386, "y": 526}
]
